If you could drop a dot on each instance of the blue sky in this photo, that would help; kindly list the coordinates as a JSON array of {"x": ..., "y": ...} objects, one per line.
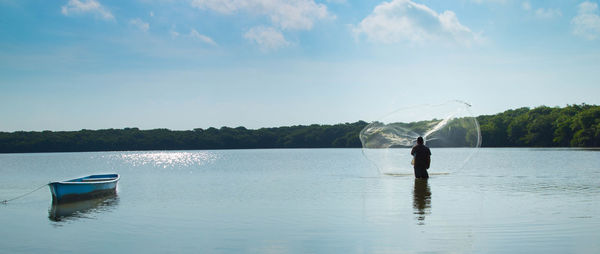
[{"x": 75, "y": 64}]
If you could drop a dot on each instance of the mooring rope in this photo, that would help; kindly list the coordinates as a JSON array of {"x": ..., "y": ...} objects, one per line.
[{"x": 9, "y": 200}]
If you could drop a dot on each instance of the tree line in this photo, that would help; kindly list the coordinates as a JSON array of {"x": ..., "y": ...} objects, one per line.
[
  {"x": 570, "y": 126},
  {"x": 131, "y": 139}
]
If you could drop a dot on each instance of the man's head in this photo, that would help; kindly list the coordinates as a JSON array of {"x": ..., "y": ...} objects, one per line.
[{"x": 420, "y": 140}]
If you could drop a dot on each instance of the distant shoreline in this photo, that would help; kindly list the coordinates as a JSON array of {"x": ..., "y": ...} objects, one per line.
[
  {"x": 575, "y": 126},
  {"x": 324, "y": 148}
]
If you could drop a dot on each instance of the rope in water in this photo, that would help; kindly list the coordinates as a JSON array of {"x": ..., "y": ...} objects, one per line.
[{"x": 18, "y": 197}]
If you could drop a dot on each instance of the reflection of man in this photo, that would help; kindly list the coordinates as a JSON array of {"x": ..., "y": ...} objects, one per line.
[
  {"x": 421, "y": 199},
  {"x": 422, "y": 158}
]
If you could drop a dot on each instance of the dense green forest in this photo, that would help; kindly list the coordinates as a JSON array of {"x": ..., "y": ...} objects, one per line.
[
  {"x": 312, "y": 136},
  {"x": 570, "y": 126}
]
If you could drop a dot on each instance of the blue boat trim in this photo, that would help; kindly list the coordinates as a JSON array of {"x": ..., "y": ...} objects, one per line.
[{"x": 93, "y": 186}]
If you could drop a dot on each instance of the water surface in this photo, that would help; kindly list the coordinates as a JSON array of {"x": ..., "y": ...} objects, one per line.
[{"x": 306, "y": 201}]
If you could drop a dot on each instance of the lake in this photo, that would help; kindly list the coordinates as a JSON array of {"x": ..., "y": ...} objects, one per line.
[{"x": 306, "y": 201}]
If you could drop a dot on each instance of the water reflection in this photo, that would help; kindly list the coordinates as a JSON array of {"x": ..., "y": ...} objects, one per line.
[
  {"x": 168, "y": 159},
  {"x": 82, "y": 209},
  {"x": 421, "y": 200}
]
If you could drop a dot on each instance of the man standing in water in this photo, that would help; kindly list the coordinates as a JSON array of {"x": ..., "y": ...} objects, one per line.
[{"x": 422, "y": 159}]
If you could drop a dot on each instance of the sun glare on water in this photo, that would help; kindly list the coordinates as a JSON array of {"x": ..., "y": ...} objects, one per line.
[{"x": 169, "y": 159}]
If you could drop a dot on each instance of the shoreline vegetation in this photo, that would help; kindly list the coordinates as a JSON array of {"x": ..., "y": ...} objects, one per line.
[{"x": 569, "y": 126}]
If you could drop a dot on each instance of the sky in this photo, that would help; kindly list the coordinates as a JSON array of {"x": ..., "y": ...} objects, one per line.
[{"x": 97, "y": 64}]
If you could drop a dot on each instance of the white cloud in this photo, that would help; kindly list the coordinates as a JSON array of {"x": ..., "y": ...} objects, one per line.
[
  {"x": 74, "y": 7},
  {"x": 140, "y": 24},
  {"x": 267, "y": 38},
  {"x": 547, "y": 13},
  {"x": 587, "y": 22},
  {"x": 401, "y": 21},
  {"x": 285, "y": 14},
  {"x": 588, "y": 7},
  {"x": 151, "y": 14},
  {"x": 195, "y": 35},
  {"x": 489, "y": 1},
  {"x": 222, "y": 6},
  {"x": 542, "y": 13}
]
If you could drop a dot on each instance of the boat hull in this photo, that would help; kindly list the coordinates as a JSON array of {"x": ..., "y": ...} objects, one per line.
[{"x": 83, "y": 188}]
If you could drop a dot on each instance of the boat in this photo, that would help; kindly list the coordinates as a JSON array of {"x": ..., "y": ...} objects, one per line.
[{"x": 87, "y": 187}]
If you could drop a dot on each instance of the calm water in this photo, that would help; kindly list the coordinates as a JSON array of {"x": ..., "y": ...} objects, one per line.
[{"x": 306, "y": 201}]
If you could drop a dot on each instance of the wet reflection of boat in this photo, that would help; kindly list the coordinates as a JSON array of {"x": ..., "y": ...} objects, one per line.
[
  {"x": 89, "y": 187},
  {"x": 81, "y": 209}
]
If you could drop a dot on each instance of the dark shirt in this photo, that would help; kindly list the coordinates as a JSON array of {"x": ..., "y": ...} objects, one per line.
[{"x": 422, "y": 156}]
